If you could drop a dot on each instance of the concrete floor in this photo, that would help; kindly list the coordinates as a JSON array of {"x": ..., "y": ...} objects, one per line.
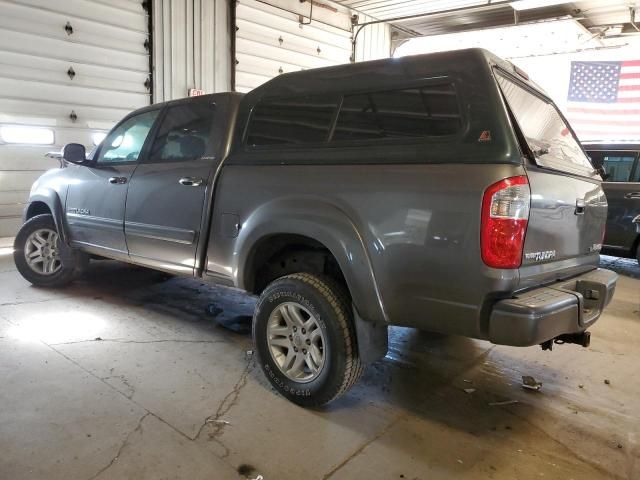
[{"x": 123, "y": 376}]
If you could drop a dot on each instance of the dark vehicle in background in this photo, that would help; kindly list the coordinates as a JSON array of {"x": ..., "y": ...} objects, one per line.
[
  {"x": 443, "y": 192},
  {"x": 620, "y": 164}
]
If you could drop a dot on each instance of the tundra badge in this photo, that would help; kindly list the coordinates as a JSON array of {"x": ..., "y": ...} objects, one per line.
[
  {"x": 79, "y": 211},
  {"x": 540, "y": 256}
]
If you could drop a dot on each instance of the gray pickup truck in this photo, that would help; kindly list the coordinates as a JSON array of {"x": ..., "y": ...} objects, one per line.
[{"x": 443, "y": 192}]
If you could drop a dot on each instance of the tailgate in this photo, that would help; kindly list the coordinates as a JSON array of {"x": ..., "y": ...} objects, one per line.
[
  {"x": 567, "y": 217},
  {"x": 568, "y": 207}
]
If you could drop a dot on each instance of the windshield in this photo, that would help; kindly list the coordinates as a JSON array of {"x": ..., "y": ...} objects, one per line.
[{"x": 546, "y": 133}]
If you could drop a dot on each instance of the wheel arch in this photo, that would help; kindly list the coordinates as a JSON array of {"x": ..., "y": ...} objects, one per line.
[
  {"x": 45, "y": 201},
  {"x": 313, "y": 223}
]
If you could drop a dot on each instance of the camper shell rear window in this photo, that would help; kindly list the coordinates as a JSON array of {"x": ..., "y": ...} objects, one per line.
[{"x": 546, "y": 133}]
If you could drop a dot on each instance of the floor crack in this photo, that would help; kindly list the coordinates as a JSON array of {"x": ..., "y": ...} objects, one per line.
[
  {"x": 123, "y": 445},
  {"x": 227, "y": 403},
  {"x": 361, "y": 448},
  {"x": 26, "y": 302},
  {"x": 125, "y": 382},
  {"x": 237, "y": 387}
]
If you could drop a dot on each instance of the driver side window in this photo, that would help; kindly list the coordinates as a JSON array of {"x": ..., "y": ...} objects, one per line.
[{"x": 125, "y": 143}]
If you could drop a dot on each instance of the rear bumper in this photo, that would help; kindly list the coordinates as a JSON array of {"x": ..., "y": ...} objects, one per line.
[{"x": 542, "y": 314}]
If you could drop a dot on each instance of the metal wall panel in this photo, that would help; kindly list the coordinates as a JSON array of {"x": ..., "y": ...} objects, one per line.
[
  {"x": 271, "y": 40},
  {"x": 192, "y": 47},
  {"x": 106, "y": 51},
  {"x": 374, "y": 41}
]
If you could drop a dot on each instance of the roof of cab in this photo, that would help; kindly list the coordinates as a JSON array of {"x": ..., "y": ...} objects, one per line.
[{"x": 232, "y": 96}]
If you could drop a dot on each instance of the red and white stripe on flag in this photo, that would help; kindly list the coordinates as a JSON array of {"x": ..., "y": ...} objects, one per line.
[{"x": 611, "y": 121}]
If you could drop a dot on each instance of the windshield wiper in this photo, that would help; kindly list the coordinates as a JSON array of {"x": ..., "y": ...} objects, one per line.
[{"x": 538, "y": 152}]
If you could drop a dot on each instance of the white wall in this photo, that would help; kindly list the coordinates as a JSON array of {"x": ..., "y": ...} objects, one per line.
[
  {"x": 191, "y": 48},
  {"x": 374, "y": 41},
  {"x": 278, "y": 36},
  {"x": 105, "y": 49}
]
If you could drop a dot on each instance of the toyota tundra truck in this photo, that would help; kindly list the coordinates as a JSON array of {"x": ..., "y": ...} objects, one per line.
[{"x": 444, "y": 192}]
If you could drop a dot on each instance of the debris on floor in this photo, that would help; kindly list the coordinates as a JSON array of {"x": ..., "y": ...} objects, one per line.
[
  {"x": 248, "y": 471},
  {"x": 217, "y": 422},
  {"x": 469, "y": 390},
  {"x": 506, "y": 402},
  {"x": 607, "y": 381},
  {"x": 530, "y": 383}
]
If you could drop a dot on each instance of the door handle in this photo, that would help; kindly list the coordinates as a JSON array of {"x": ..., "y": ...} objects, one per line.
[
  {"x": 190, "y": 182},
  {"x": 118, "y": 180},
  {"x": 632, "y": 195},
  {"x": 580, "y": 207}
]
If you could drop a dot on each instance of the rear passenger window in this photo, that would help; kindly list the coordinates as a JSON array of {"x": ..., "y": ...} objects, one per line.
[
  {"x": 291, "y": 120},
  {"x": 184, "y": 133},
  {"x": 618, "y": 167},
  {"x": 417, "y": 112}
]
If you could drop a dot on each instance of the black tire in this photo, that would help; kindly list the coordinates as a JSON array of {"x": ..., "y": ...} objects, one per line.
[
  {"x": 327, "y": 302},
  {"x": 72, "y": 262}
]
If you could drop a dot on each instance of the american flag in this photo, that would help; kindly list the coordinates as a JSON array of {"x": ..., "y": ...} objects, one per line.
[{"x": 604, "y": 100}]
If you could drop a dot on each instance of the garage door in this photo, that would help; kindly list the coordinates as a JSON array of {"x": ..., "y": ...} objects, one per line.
[
  {"x": 271, "y": 38},
  {"x": 68, "y": 71}
]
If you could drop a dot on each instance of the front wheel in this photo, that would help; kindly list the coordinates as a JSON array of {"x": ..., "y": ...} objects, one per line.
[
  {"x": 40, "y": 255},
  {"x": 305, "y": 339}
]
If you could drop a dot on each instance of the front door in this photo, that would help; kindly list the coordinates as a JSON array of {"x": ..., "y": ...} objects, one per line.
[
  {"x": 167, "y": 193},
  {"x": 96, "y": 199},
  {"x": 622, "y": 188}
]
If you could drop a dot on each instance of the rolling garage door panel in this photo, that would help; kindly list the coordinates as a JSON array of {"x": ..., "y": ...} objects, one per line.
[
  {"x": 270, "y": 40},
  {"x": 109, "y": 62}
]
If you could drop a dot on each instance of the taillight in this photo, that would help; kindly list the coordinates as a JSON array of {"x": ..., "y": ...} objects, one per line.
[{"x": 505, "y": 213}]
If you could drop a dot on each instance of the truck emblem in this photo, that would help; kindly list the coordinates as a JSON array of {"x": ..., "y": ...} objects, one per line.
[
  {"x": 485, "y": 136},
  {"x": 79, "y": 211},
  {"x": 540, "y": 256}
]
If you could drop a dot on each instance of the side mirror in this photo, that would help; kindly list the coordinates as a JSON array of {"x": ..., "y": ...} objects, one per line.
[{"x": 74, "y": 153}]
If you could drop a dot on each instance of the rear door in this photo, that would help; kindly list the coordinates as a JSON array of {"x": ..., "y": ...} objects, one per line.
[
  {"x": 166, "y": 197},
  {"x": 568, "y": 206},
  {"x": 622, "y": 188}
]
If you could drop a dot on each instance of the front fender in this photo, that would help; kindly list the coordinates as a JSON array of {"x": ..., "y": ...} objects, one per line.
[
  {"x": 325, "y": 223},
  {"x": 52, "y": 200}
]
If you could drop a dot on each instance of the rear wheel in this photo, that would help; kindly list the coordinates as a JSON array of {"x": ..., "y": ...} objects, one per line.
[
  {"x": 305, "y": 339},
  {"x": 41, "y": 257}
]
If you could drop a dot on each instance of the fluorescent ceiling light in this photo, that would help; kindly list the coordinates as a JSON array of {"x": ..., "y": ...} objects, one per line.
[
  {"x": 97, "y": 137},
  {"x": 26, "y": 135},
  {"x": 531, "y": 4}
]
